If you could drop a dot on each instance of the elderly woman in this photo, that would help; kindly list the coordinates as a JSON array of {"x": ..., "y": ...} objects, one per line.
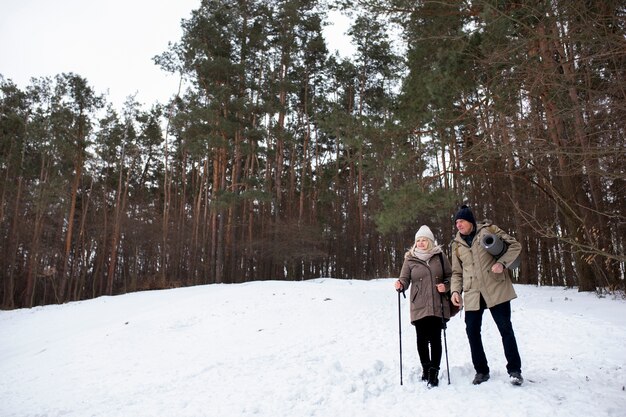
[{"x": 427, "y": 271}]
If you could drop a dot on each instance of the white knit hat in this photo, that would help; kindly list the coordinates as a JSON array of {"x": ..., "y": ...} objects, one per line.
[{"x": 425, "y": 231}]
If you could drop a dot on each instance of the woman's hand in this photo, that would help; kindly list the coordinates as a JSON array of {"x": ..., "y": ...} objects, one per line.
[
  {"x": 441, "y": 288},
  {"x": 399, "y": 286}
]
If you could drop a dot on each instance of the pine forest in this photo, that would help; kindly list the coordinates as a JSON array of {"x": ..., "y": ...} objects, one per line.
[{"x": 281, "y": 160}]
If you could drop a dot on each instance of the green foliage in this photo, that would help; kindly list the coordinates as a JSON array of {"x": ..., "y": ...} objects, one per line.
[{"x": 411, "y": 204}]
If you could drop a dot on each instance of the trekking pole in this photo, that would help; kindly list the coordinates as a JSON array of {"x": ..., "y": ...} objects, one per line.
[
  {"x": 445, "y": 341},
  {"x": 400, "y": 331}
]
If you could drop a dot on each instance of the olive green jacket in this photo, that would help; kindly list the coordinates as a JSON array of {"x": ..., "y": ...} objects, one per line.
[{"x": 471, "y": 269}]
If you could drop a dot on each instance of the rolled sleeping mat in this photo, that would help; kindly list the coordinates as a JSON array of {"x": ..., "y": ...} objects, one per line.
[{"x": 497, "y": 247}]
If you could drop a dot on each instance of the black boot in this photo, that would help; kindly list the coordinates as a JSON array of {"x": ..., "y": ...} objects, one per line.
[{"x": 433, "y": 377}]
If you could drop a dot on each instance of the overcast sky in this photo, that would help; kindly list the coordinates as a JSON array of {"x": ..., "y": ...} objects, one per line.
[{"x": 110, "y": 43}]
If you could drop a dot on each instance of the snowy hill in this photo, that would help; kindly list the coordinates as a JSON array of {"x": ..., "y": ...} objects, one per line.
[{"x": 324, "y": 347}]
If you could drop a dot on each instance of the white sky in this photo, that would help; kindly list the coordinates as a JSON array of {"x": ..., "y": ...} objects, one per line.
[{"x": 110, "y": 43}]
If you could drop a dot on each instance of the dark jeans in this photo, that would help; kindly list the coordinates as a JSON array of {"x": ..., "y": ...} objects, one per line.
[
  {"x": 428, "y": 332},
  {"x": 501, "y": 314}
]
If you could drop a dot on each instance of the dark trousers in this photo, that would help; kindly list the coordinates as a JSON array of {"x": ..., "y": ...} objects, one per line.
[
  {"x": 428, "y": 330},
  {"x": 501, "y": 314}
]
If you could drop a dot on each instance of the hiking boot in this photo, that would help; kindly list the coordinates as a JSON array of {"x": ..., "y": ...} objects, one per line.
[
  {"x": 480, "y": 378},
  {"x": 433, "y": 377},
  {"x": 516, "y": 378}
]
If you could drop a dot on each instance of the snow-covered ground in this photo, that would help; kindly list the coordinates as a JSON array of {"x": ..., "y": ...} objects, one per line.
[{"x": 324, "y": 347}]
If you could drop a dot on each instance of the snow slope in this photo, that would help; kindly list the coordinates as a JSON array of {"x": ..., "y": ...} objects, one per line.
[{"x": 323, "y": 347}]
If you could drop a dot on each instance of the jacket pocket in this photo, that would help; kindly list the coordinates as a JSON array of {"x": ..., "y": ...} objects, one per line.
[
  {"x": 415, "y": 292},
  {"x": 498, "y": 277},
  {"x": 471, "y": 298}
]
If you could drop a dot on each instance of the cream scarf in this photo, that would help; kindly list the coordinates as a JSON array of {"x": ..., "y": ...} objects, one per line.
[{"x": 423, "y": 255}]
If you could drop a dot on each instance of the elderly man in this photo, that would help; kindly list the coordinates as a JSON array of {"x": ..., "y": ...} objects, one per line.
[{"x": 485, "y": 282}]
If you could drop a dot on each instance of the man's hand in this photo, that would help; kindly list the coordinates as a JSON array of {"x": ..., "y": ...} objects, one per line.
[
  {"x": 456, "y": 299},
  {"x": 497, "y": 268}
]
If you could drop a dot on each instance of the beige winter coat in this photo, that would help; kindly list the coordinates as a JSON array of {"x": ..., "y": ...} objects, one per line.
[
  {"x": 471, "y": 269},
  {"x": 423, "y": 277}
]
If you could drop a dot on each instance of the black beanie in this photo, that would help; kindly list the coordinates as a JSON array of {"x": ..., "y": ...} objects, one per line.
[{"x": 465, "y": 213}]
